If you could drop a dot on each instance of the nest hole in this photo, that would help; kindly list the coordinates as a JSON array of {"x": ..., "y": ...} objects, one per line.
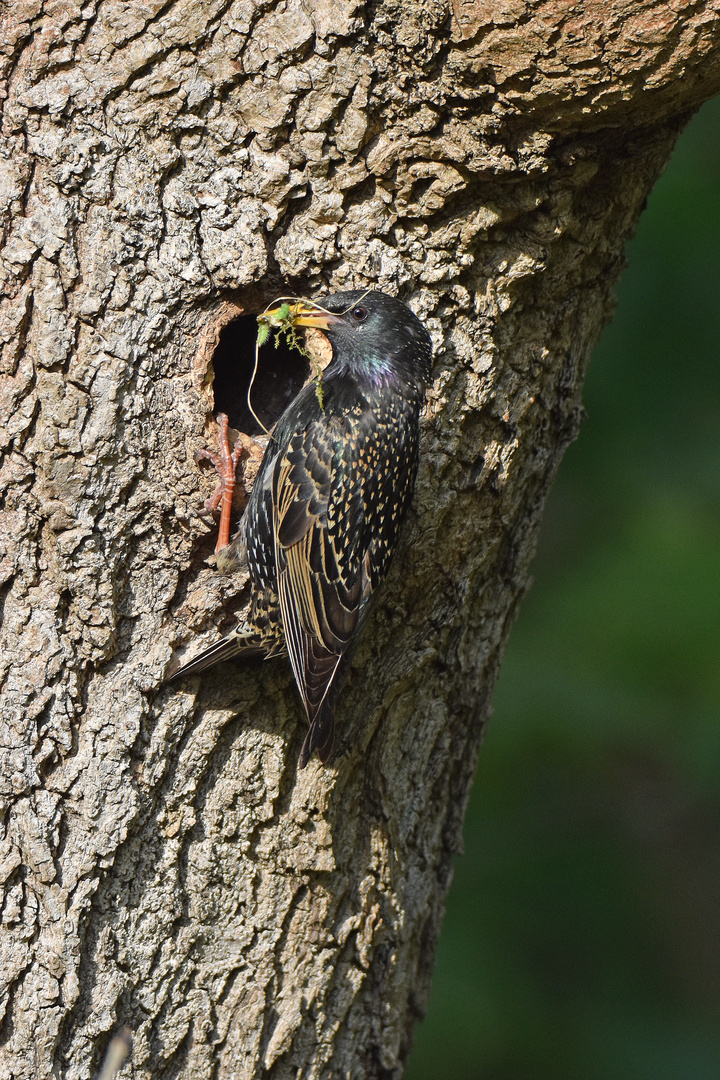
[{"x": 281, "y": 374}]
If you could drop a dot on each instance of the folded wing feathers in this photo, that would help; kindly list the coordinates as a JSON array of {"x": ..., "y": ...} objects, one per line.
[{"x": 320, "y": 570}]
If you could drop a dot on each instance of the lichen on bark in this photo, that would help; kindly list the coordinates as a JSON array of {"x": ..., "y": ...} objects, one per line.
[{"x": 166, "y": 166}]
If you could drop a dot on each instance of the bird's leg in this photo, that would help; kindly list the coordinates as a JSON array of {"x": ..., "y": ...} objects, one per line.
[{"x": 226, "y": 464}]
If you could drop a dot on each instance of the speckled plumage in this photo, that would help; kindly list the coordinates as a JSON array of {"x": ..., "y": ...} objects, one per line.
[{"x": 331, "y": 495}]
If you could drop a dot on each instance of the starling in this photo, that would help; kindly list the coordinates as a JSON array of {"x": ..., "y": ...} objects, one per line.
[{"x": 333, "y": 489}]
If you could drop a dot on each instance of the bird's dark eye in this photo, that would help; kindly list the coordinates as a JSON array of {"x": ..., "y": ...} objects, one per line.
[{"x": 359, "y": 313}]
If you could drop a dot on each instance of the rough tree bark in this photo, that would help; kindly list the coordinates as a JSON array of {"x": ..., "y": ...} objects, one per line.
[{"x": 167, "y": 165}]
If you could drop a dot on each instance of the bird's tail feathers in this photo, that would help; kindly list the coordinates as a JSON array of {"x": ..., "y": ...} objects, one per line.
[{"x": 235, "y": 644}]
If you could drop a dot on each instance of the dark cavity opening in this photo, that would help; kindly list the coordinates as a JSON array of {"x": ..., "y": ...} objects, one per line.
[
  {"x": 421, "y": 186},
  {"x": 281, "y": 374}
]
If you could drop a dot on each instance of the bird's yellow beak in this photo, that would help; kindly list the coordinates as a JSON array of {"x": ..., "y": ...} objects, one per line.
[{"x": 301, "y": 314}]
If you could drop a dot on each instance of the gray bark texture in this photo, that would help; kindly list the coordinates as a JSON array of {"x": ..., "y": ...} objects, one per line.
[{"x": 166, "y": 166}]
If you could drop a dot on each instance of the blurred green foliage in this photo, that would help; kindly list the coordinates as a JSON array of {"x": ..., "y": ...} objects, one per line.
[{"x": 582, "y": 938}]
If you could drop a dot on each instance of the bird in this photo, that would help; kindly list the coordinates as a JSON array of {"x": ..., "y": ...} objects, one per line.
[{"x": 324, "y": 516}]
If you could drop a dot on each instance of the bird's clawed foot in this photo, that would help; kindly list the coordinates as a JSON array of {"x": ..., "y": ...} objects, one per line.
[{"x": 226, "y": 463}]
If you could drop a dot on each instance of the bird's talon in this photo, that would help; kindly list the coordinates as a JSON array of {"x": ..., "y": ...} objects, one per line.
[
  {"x": 226, "y": 463},
  {"x": 210, "y": 505},
  {"x": 207, "y": 455}
]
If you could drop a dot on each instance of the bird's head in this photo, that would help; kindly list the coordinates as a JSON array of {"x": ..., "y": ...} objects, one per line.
[{"x": 373, "y": 335}]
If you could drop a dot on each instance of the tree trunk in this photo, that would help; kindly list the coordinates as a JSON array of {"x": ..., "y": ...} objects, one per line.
[{"x": 167, "y": 167}]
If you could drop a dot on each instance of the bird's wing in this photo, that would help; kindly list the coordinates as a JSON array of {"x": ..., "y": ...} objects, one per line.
[{"x": 319, "y": 543}]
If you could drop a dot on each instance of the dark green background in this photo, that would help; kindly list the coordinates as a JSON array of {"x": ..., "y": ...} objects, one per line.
[{"x": 582, "y": 936}]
